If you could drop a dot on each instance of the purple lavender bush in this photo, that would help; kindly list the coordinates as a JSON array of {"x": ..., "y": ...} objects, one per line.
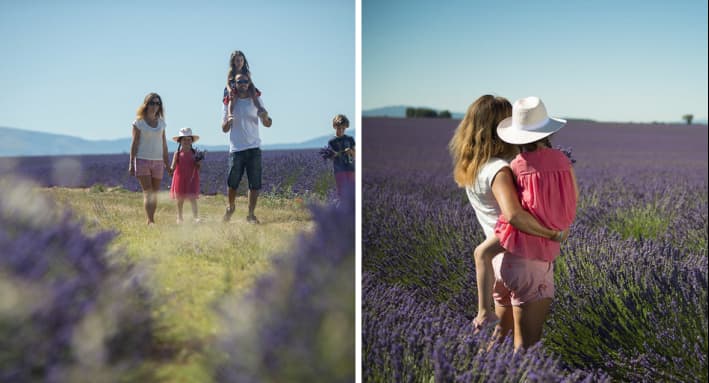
[
  {"x": 297, "y": 323},
  {"x": 410, "y": 338},
  {"x": 285, "y": 173},
  {"x": 614, "y": 295},
  {"x": 67, "y": 308}
]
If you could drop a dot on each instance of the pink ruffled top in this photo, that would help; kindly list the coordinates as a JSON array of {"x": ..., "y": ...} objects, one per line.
[{"x": 546, "y": 190}]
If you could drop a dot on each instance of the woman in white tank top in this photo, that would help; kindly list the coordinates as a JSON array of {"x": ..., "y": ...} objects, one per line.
[
  {"x": 481, "y": 166},
  {"x": 148, "y": 151}
]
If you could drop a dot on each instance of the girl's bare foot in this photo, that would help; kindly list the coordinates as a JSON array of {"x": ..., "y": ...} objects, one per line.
[{"x": 484, "y": 320}]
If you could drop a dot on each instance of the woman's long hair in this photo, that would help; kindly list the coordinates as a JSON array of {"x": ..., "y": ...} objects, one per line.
[
  {"x": 232, "y": 68},
  {"x": 475, "y": 140},
  {"x": 140, "y": 113}
]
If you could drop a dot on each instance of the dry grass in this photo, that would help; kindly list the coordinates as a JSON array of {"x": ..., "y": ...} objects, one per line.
[{"x": 190, "y": 265}]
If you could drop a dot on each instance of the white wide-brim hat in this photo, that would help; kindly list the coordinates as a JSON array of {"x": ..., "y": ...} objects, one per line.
[
  {"x": 184, "y": 132},
  {"x": 529, "y": 122}
]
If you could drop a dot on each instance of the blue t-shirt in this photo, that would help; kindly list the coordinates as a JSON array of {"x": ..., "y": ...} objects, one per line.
[{"x": 342, "y": 161}]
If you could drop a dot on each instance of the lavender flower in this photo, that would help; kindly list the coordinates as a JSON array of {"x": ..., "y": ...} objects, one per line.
[
  {"x": 567, "y": 152},
  {"x": 199, "y": 154},
  {"x": 326, "y": 153}
]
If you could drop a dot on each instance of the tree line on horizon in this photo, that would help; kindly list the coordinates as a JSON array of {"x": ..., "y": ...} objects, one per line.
[
  {"x": 426, "y": 113},
  {"x": 412, "y": 112}
]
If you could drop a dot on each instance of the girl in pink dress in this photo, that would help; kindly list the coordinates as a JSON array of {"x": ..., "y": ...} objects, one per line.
[
  {"x": 546, "y": 186},
  {"x": 185, "y": 169}
]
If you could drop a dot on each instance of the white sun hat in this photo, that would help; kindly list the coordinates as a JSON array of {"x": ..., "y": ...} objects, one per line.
[
  {"x": 529, "y": 122},
  {"x": 185, "y": 132}
]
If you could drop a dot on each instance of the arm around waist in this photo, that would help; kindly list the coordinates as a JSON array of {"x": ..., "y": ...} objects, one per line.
[{"x": 505, "y": 192}]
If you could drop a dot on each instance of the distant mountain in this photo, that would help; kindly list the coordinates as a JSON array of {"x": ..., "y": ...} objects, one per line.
[
  {"x": 399, "y": 111},
  {"x": 315, "y": 143},
  {"x": 18, "y": 142}
]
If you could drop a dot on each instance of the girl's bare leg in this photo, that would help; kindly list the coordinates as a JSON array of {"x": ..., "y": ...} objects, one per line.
[
  {"x": 180, "y": 203},
  {"x": 257, "y": 103},
  {"x": 486, "y": 278},
  {"x": 195, "y": 212}
]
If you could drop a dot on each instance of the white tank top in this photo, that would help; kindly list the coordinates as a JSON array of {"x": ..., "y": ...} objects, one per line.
[
  {"x": 481, "y": 197},
  {"x": 150, "y": 144}
]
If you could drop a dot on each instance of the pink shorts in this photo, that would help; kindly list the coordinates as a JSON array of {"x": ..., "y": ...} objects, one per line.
[
  {"x": 521, "y": 280},
  {"x": 152, "y": 168}
]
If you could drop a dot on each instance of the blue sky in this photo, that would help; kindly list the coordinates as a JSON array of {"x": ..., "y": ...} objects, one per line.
[
  {"x": 608, "y": 60},
  {"x": 83, "y": 67}
]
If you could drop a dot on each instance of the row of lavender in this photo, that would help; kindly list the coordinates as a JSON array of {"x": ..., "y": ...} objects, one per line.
[
  {"x": 298, "y": 322},
  {"x": 300, "y": 172},
  {"x": 631, "y": 301},
  {"x": 68, "y": 309},
  {"x": 73, "y": 311}
]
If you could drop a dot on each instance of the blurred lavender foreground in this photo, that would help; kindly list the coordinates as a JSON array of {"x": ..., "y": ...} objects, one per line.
[
  {"x": 297, "y": 323},
  {"x": 68, "y": 311},
  {"x": 631, "y": 282}
]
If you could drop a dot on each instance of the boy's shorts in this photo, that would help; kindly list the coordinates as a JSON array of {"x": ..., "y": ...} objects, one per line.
[
  {"x": 521, "y": 280},
  {"x": 152, "y": 168}
]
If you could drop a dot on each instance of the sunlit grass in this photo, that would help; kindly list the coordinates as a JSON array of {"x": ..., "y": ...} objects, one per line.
[{"x": 190, "y": 265}]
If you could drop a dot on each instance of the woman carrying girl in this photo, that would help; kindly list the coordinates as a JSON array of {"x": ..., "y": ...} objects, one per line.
[
  {"x": 185, "y": 168},
  {"x": 523, "y": 286},
  {"x": 148, "y": 151}
]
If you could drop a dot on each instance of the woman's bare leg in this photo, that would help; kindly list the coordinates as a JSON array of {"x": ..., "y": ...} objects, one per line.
[
  {"x": 529, "y": 321},
  {"x": 147, "y": 185},
  {"x": 154, "y": 200},
  {"x": 504, "y": 327}
]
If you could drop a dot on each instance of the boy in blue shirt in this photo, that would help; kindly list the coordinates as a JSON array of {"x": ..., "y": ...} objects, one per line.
[{"x": 343, "y": 160}]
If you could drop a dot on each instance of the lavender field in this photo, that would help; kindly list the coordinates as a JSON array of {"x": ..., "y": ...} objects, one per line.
[
  {"x": 88, "y": 293},
  {"x": 285, "y": 172},
  {"x": 631, "y": 283}
]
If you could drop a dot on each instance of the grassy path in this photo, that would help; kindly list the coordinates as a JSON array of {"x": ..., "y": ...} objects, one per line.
[{"x": 191, "y": 265}]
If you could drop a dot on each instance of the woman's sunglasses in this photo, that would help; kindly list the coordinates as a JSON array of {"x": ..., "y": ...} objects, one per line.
[
  {"x": 158, "y": 103},
  {"x": 242, "y": 81}
]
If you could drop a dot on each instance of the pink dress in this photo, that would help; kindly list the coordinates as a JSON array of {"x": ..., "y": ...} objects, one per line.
[
  {"x": 185, "y": 180},
  {"x": 546, "y": 190}
]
